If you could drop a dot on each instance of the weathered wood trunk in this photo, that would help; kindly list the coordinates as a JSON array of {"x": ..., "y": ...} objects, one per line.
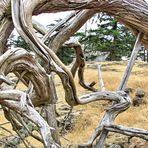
[
  {"x": 132, "y": 13},
  {"x": 18, "y": 13}
]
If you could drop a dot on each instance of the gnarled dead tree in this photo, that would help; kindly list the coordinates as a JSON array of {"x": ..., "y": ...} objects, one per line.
[{"x": 38, "y": 78}]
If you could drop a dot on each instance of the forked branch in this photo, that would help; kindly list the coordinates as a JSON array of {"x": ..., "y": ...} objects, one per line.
[{"x": 18, "y": 60}]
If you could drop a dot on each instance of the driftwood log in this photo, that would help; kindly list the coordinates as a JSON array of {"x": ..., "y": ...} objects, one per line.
[{"x": 38, "y": 77}]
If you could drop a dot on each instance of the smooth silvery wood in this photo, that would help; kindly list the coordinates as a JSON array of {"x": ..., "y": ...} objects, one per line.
[
  {"x": 63, "y": 22},
  {"x": 77, "y": 22},
  {"x": 105, "y": 121},
  {"x": 128, "y": 131},
  {"x": 45, "y": 53},
  {"x": 100, "y": 78},
  {"x": 117, "y": 8},
  {"x": 6, "y": 25},
  {"x": 124, "y": 81},
  {"x": 39, "y": 27},
  {"x": 131, "y": 62},
  {"x": 34, "y": 72},
  {"x": 31, "y": 72},
  {"x": 9, "y": 98},
  {"x": 50, "y": 111}
]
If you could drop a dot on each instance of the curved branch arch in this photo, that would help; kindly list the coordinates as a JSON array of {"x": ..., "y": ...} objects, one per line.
[
  {"x": 122, "y": 10},
  {"x": 125, "y": 11},
  {"x": 132, "y": 13},
  {"x": 19, "y": 60}
]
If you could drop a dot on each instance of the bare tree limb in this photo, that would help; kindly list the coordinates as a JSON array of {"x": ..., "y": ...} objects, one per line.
[
  {"x": 61, "y": 23},
  {"x": 39, "y": 27},
  {"x": 132, "y": 13},
  {"x": 79, "y": 65},
  {"x": 100, "y": 78},
  {"x": 130, "y": 65},
  {"x": 134, "y": 132},
  {"x": 28, "y": 112}
]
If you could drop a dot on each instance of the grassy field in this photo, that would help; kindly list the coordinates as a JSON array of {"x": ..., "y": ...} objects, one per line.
[{"x": 88, "y": 116}]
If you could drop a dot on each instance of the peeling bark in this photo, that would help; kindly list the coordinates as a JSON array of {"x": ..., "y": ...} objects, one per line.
[
  {"x": 6, "y": 25},
  {"x": 18, "y": 60},
  {"x": 132, "y": 13},
  {"x": 10, "y": 98}
]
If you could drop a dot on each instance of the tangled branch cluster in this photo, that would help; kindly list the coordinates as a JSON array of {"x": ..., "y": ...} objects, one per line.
[{"x": 20, "y": 107}]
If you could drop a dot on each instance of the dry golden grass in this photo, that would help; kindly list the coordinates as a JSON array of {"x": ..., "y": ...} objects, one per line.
[{"x": 92, "y": 113}]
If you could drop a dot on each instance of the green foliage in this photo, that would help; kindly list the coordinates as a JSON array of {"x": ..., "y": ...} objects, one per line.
[
  {"x": 109, "y": 36},
  {"x": 66, "y": 55},
  {"x": 18, "y": 41}
]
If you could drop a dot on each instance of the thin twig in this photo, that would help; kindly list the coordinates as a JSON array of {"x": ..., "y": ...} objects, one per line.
[
  {"x": 6, "y": 130},
  {"x": 12, "y": 122},
  {"x": 65, "y": 138},
  {"x": 51, "y": 30},
  {"x": 8, "y": 144},
  {"x": 68, "y": 115},
  {"x": 20, "y": 77},
  {"x": 4, "y": 123},
  {"x": 25, "y": 125},
  {"x": 100, "y": 78}
]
